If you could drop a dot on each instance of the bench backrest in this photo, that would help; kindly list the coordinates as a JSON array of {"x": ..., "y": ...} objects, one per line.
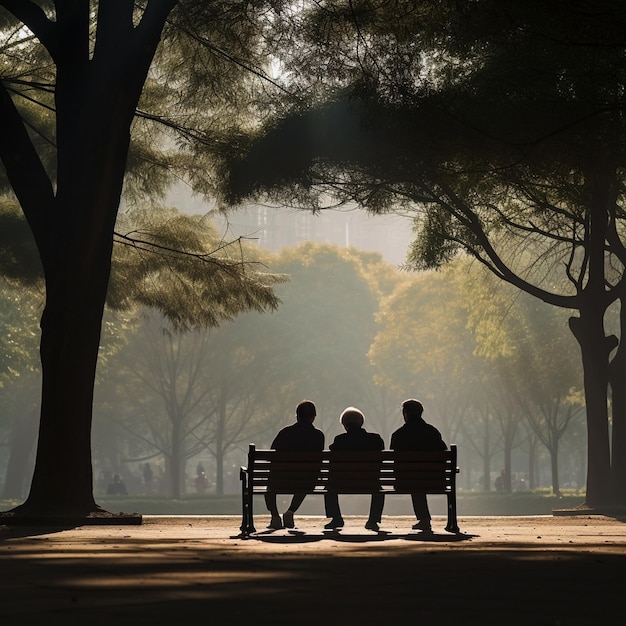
[{"x": 387, "y": 471}]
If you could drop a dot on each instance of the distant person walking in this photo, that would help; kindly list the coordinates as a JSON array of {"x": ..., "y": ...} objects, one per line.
[
  {"x": 355, "y": 438},
  {"x": 147, "y": 477},
  {"x": 299, "y": 437},
  {"x": 417, "y": 435}
]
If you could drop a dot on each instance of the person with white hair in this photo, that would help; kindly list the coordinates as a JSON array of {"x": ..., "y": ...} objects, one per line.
[{"x": 355, "y": 438}]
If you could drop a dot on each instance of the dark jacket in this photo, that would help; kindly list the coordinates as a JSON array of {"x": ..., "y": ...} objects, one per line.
[
  {"x": 357, "y": 439},
  {"x": 299, "y": 437},
  {"x": 416, "y": 434}
]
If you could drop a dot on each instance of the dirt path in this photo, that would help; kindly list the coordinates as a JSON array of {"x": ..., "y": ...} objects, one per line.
[{"x": 188, "y": 570}]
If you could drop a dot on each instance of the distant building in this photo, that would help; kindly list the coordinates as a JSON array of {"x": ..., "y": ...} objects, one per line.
[{"x": 277, "y": 227}]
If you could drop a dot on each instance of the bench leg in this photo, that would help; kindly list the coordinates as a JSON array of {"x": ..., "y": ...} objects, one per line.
[
  {"x": 251, "y": 528},
  {"x": 244, "y": 508},
  {"x": 247, "y": 519},
  {"x": 452, "y": 526}
]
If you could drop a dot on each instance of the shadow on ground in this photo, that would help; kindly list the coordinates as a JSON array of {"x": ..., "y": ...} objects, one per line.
[
  {"x": 294, "y": 537},
  {"x": 140, "y": 581}
]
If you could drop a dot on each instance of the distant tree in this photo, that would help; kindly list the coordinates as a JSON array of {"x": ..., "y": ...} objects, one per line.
[
  {"x": 422, "y": 348},
  {"x": 324, "y": 328},
  {"x": 164, "y": 370},
  {"x": 244, "y": 401},
  {"x": 187, "y": 392},
  {"x": 533, "y": 360}
]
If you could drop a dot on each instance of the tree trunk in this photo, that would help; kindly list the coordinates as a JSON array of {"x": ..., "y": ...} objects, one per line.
[
  {"x": 617, "y": 378},
  {"x": 176, "y": 461},
  {"x": 554, "y": 466},
  {"x": 21, "y": 447},
  {"x": 219, "y": 450},
  {"x": 486, "y": 456},
  {"x": 76, "y": 286},
  {"x": 219, "y": 471},
  {"x": 595, "y": 347},
  {"x": 95, "y": 96},
  {"x": 507, "y": 466},
  {"x": 533, "y": 446}
]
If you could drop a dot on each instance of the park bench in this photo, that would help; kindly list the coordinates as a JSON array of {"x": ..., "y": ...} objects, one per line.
[{"x": 387, "y": 472}]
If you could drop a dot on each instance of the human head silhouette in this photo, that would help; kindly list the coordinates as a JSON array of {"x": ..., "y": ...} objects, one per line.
[
  {"x": 352, "y": 418},
  {"x": 412, "y": 409},
  {"x": 305, "y": 412}
]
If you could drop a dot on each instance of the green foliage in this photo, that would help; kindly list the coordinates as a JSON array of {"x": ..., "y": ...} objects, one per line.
[
  {"x": 177, "y": 265},
  {"x": 490, "y": 152},
  {"x": 19, "y": 315},
  {"x": 324, "y": 326}
]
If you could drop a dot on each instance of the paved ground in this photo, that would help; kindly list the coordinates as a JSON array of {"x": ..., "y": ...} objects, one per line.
[{"x": 196, "y": 570}]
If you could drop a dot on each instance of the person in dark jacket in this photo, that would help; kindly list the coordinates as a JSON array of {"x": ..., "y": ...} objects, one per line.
[
  {"x": 299, "y": 437},
  {"x": 355, "y": 438},
  {"x": 416, "y": 434}
]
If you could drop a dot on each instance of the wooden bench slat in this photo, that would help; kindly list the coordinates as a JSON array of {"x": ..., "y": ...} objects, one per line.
[
  {"x": 274, "y": 455},
  {"x": 328, "y": 455},
  {"x": 288, "y": 467}
]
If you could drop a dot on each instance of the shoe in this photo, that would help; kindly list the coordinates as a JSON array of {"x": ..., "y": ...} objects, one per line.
[
  {"x": 275, "y": 523},
  {"x": 336, "y": 522},
  {"x": 372, "y": 526},
  {"x": 288, "y": 519},
  {"x": 424, "y": 526}
]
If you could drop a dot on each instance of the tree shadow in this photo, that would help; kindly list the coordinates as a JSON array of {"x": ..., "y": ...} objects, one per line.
[{"x": 18, "y": 532}]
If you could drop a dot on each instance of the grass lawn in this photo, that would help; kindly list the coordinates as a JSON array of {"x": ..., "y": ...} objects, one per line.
[{"x": 539, "y": 502}]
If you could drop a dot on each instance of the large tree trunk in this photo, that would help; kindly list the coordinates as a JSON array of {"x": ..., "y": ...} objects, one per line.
[
  {"x": 595, "y": 347},
  {"x": 96, "y": 96},
  {"x": 77, "y": 267}
]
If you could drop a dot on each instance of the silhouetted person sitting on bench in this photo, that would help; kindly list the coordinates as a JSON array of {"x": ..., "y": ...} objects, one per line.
[
  {"x": 355, "y": 438},
  {"x": 417, "y": 435},
  {"x": 299, "y": 437}
]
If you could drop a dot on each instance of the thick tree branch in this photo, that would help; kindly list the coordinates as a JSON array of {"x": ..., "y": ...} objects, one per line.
[
  {"x": 151, "y": 25},
  {"x": 113, "y": 17},
  {"x": 467, "y": 217},
  {"x": 34, "y": 18},
  {"x": 73, "y": 32},
  {"x": 24, "y": 168}
]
